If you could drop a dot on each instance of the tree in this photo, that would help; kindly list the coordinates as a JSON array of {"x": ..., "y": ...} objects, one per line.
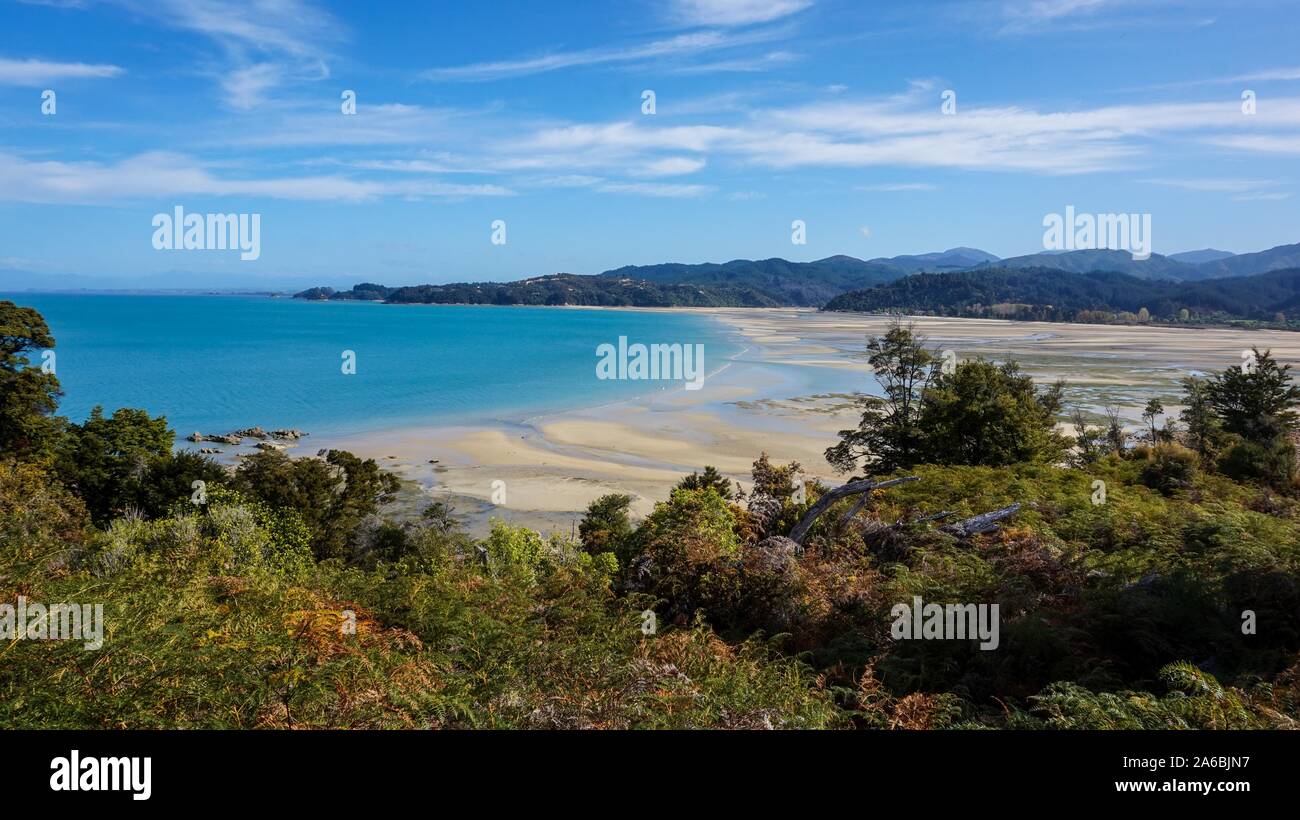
[
  {"x": 709, "y": 478},
  {"x": 606, "y": 523},
  {"x": 1203, "y": 430},
  {"x": 989, "y": 415},
  {"x": 1153, "y": 410},
  {"x": 1116, "y": 435},
  {"x": 1089, "y": 442},
  {"x": 28, "y": 395},
  {"x": 333, "y": 495},
  {"x": 107, "y": 460},
  {"x": 170, "y": 480},
  {"x": 1256, "y": 405},
  {"x": 683, "y": 552},
  {"x": 1256, "y": 402},
  {"x": 773, "y": 480},
  {"x": 888, "y": 436}
]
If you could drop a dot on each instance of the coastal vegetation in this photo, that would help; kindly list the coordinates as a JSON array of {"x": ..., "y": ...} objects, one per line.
[
  {"x": 1127, "y": 567},
  {"x": 1041, "y": 294},
  {"x": 555, "y": 290}
]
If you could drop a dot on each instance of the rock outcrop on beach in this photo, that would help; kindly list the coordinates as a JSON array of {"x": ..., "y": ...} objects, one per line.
[{"x": 237, "y": 437}]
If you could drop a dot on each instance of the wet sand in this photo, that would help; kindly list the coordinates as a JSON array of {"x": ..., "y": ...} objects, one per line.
[{"x": 787, "y": 393}]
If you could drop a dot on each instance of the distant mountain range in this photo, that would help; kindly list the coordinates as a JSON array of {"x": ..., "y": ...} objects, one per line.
[
  {"x": 1191, "y": 266},
  {"x": 778, "y": 282}
]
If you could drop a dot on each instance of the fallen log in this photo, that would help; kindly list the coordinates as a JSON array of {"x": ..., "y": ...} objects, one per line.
[
  {"x": 831, "y": 496},
  {"x": 984, "y": 522}
]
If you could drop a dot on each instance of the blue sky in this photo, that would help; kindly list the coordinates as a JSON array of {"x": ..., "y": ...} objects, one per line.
[{"x": 765, "y": 112}]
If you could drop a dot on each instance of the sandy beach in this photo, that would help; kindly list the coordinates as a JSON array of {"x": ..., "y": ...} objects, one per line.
[{"x": 787, "y": 393}]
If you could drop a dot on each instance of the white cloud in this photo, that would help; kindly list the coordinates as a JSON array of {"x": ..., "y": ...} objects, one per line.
[
  {"x": 373, "y": 124},
  {"x": 677, "y": 46},
  {"x": 1228, "y": 185},
  {"x": 656, "y": 189},
  {"x": 734, "y": 12},
  {"x": 294, "y": 27},
  {"x": 739, "y": 65},
  {"x": 246, "y": 87},
  {"x": 263, "y": 42},
  {"x": 1267, "y": 196},
  {"x": 1262, "y": 143},
  {"x": 1267, "y": 75},
  {"x": 42, "y": 72},
  {"x": 669, "y": 167},
  {"x": 1047, "y": 10},
  {"x": 162, "y": 174}
]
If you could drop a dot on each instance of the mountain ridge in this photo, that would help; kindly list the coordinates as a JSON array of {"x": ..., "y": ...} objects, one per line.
[{"x": 780, "y": 282}]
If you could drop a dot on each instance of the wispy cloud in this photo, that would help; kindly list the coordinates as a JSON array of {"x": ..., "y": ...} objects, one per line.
[
  {"x": 889, "y": 187},
  {"x": 246, "y": 87},
  {"x": 1050, "y": 10},
  {"x": 263, "y": 42},
  {"x": 155, "y": 175},
  {"x": 1241, "y": 190},
  {"x": 1267, "y": 196},
  {"x": 1261, "y": 143},
  {"x": 909, "y": 131},
  {"x": 765, "y": 62},
  {"x": 1227, "y": 185},
  {"x": 294, "y": 27},
  {"x": 734, "y": 12},
  {"x": 34, "y": 72},
  {"x": 680, "y": 45},
  {"x": 374, "y": 124},
  {"x": 1280, "y": 74},
  {"x": 669, "y": 167},
  {"x": 656, "y": 189}
]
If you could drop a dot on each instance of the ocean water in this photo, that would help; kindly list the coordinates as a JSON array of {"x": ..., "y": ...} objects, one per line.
[{"x": 217, "y": 363}]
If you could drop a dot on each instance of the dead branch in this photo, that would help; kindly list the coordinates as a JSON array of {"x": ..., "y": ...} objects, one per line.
[
  {"x": 984, "y": 522},
  {"x": 831, "y": 496}
]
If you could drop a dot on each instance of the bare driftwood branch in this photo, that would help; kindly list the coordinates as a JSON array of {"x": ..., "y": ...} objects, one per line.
[
  {"x": 984, "y": 522},
  {"x": 831, "y": 496},
  {"x": 923, "y": 519}
]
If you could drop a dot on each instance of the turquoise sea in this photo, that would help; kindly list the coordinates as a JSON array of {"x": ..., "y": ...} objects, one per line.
[{"x": 217, "y": 363}]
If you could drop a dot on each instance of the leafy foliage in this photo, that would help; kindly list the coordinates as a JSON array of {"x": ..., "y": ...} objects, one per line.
[{"x": 286, "y": 599}]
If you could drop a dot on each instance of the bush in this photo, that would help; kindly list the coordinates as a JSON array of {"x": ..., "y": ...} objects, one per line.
[
  {"x": 1169, "y": 468},
  {"x": 1272, "y": 464}
]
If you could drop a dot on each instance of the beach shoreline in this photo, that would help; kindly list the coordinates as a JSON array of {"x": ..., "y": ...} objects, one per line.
[{"x": 793, "y": 386}]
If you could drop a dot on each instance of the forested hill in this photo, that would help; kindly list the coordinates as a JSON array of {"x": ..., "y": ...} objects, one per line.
[
  {"x": 807, "y": 284},
  {"x": 558, "y": 289},
  {"x": 740, "y": 283},
  {"x": 1078, "y": 280},
  {"x": 1055, "y": 295}
]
